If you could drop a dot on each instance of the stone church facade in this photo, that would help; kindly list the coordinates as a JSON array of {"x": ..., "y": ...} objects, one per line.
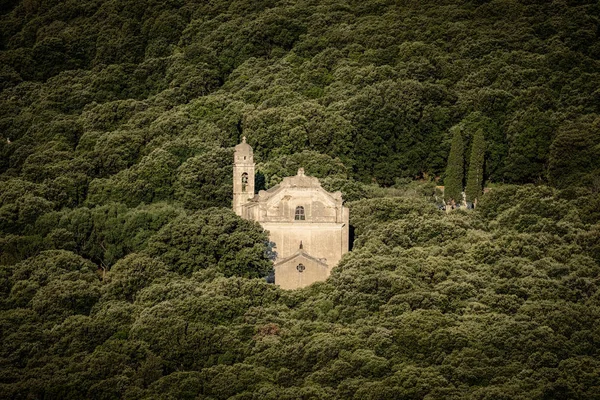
[{"x": 308, "y": 225}]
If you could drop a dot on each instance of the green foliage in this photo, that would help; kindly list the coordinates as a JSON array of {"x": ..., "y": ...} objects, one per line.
[
  {"x": 530, "y": 134},
  {"x": 454, "y": 301},
  {"x": 365, "y": 213},
  {"x": 104, "y": 234},
  {"x": 300, "y": 77},
  {"x": 474, "y": 188},
  {"x": 54, "y": 284},
  {"x": 214, "y": 237},
  {"x": 133, "y": 273},
  {"x": 453, "y": 181},
  {"x": 149, "y": 181},
  {"x": 120, "y": 277},
  {"x": 575, "y": 152},
  {"x": 205, "y": 180},
  {"x": 314, "y": 164}
]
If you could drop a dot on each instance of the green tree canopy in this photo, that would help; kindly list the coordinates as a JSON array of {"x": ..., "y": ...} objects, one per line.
[
  {"x": 212, "y": 238},
  {"x": 474, "y": 188},
  {"x": 453, "y": 181}
]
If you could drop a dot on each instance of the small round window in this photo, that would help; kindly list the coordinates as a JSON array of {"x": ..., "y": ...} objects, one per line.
[{"x": 300, "y": 268}]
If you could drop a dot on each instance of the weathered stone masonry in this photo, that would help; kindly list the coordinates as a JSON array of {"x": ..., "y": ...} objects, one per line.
[{"x": 308, "y": 224}]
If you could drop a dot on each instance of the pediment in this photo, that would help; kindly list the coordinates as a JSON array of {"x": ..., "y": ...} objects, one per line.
[
  {"x": 313, "y": 194},
  {"x": 299, "y": 257}
]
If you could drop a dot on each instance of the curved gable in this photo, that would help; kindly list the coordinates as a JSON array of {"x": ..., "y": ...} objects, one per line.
[{"x": 316, "y": 205}]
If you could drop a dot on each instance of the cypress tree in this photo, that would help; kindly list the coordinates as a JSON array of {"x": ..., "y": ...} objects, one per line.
[
  {"x": 453, "y": 182},
  {"x": 475, "y": 174}
]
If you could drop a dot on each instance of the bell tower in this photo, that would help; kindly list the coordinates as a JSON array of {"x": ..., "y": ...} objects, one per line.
[{"x": 243, "y": 175}]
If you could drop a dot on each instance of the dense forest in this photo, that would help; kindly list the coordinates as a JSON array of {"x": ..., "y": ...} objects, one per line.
[{"x": 125, "y": 274}]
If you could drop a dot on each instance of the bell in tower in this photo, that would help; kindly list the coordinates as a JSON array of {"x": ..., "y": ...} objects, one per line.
[{"x": 243, "y": 175}]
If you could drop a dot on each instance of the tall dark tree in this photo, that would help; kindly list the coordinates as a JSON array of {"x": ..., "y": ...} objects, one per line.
[
  {"x": 475, "y": 175},
  {"x": 455, "y": 170}
]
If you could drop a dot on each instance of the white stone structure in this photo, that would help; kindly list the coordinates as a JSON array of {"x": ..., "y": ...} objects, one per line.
[{"x": 308, "y": 225}]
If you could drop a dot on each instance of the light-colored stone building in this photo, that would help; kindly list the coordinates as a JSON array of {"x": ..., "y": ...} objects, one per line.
[{"x": 308, "y": 225}]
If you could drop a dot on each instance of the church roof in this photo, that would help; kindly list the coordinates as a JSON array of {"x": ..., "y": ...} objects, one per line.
[{"x": 300, "y": 180}]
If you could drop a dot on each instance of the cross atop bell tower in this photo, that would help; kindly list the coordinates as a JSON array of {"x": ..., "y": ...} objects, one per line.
[{"x": 243, "y": 175}]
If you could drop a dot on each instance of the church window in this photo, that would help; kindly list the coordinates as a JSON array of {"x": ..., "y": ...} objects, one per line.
[
  {"x": 300, "y": 214},
  {"x": 244, "y": 181},
  {"x": 300, "y": 267}
]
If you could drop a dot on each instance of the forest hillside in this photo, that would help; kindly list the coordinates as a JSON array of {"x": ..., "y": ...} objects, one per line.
[{"x": 125, "y": 274}]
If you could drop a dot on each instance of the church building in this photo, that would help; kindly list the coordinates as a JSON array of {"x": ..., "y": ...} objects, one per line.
[{"x": 308, "y": 225}]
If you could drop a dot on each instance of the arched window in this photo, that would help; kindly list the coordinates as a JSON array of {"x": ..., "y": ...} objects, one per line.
[
  {"x": 244, "y": 181},
  {"x": 300, "y": 214},
  {"x": 300, "y": 267}
]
